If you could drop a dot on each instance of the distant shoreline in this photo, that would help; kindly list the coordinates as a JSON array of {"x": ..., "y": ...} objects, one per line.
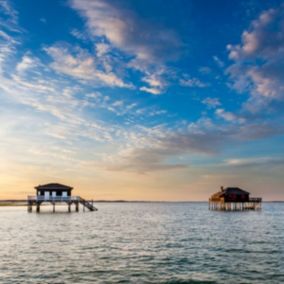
[{"x": 23, "y": 202}]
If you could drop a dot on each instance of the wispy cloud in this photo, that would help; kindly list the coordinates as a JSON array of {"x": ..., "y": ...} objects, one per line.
[
  {"x": 145, "y": 46},
  {"x": 156, "y": 83},
  {"x": 192, "y": 82},
  {"x": 211, "y": 103},
  {"x": 258, "y": 161},
  {"x": 26, "y": 63},
  {"x": 11, "y": 21},
  {"x": 126, "y": 30},
  {"x": 258, "y": 66},
  {"x": 161, "y": 146},
  {"x": 218, "y": 61},
  {"x": 151, "y": 90},
  {"x": 82, "y": 66},
  {"x": 229, "y": 116},
  {"x": 8, "y": 24}
]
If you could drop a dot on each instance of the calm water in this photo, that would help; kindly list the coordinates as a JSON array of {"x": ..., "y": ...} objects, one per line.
[{"x": 143, "y": 243}]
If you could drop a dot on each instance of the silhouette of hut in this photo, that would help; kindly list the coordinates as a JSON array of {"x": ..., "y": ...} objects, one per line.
[{"x": 233, "y": 199}]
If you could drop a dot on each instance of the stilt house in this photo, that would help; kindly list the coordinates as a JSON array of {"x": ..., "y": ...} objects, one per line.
[
  {"x": 54, "y": 193},
  {"x": 233, "y": 199}
]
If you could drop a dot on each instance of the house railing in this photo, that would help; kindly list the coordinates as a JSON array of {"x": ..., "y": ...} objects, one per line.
[
  {"x": 251, "y": 199},
  {"x": 255, "y": 199},
  {"x": 54, "y": 198}
]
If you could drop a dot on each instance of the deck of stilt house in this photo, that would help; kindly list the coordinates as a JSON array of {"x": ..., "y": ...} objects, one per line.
[
  {"x": 234, "y": 199},
  {"x": 55, "y": 193}
]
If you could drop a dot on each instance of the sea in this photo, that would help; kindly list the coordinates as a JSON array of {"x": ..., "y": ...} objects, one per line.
[{"x": 142, "y": 243}]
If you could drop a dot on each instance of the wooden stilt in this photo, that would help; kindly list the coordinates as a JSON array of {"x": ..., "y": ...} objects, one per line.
[
  {"x": 38, "y": 207},
  {"x": 30, "y": 207},
  {"x": 234, "y": 206}
]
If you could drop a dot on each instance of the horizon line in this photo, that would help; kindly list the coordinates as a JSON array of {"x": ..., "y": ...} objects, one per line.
[{"x": 134, "y": 201}]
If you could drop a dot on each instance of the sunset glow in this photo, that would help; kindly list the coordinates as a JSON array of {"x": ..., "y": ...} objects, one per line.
[{"x": 142, "y": 100}]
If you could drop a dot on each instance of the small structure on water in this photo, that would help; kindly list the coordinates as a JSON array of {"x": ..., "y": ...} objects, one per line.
[
  {"x": 57, "y": 193},
  {"x": 234, "y": 199}
]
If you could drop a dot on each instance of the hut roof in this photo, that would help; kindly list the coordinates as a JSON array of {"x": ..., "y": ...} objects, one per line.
[
  {"x": 235, "y": 190},
  {"x": 228, "y": 190},
  {"x": 54, "y": 187}
]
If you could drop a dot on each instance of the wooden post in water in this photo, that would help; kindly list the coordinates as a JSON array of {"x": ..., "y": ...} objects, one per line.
[
  {"x": 37, "y": 207},
  {"x": 30, "y": 207}
]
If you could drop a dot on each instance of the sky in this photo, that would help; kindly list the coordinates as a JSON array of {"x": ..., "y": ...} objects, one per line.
[{"x": 142, "y": 100}]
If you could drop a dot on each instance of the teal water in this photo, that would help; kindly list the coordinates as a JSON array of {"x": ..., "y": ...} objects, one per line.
[{"x": 143, "y": 243}]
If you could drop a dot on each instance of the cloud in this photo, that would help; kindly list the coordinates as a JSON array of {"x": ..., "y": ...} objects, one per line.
[
  {"x": 26, "y": 63},
  {"x": 82, "y": 66},
  {"x": 205, "y": 70},
  {"x": 6, "y": 50},
  {"x": 65, "y": 112},
  {"x": 12, "y": 14},
  {"x": 159, "y": 145},
  {"x": 126, "y": 30},
  {"x": 264, "y": 37},
  {"x": 123, "y": 108},
  {"x": 256, "y": 130},
  {"x": 211, "y": 102},
  {"x": 192, "y": 82},
  {"x": 153, "y": 91},
  {"x": 218, "y": 61},
  {"x": 43, "y": 20},
  {"x": 144, "y": 46},
  {"x": 5, "y": 36},
  {"x": 259, "y": 61},
  {"x": 8, "y": 25},
  {"x": 156, "y": 80},
  {"x": 58, "y": 103},
  {"x": 229, "y": 116},
  {"x": 258, "y": 161},
  {"x": 143, "y": 161},
  {"x": 79, "y": 35},
  {"x": 157, "y": 149}
]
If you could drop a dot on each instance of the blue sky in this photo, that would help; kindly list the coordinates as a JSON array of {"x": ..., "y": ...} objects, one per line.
[{"x": 156, "y": 100}]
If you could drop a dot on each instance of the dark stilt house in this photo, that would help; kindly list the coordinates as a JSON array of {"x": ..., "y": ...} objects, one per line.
[
  {"x": 57, "y": 193},
  {"x": 233, "y": 199}
]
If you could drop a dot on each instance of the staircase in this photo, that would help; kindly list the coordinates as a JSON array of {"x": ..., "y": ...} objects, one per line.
[{"x": 87, "y": 204}]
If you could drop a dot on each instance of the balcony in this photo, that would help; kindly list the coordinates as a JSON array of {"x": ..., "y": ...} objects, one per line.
[{"x": 54, "y": 198}]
